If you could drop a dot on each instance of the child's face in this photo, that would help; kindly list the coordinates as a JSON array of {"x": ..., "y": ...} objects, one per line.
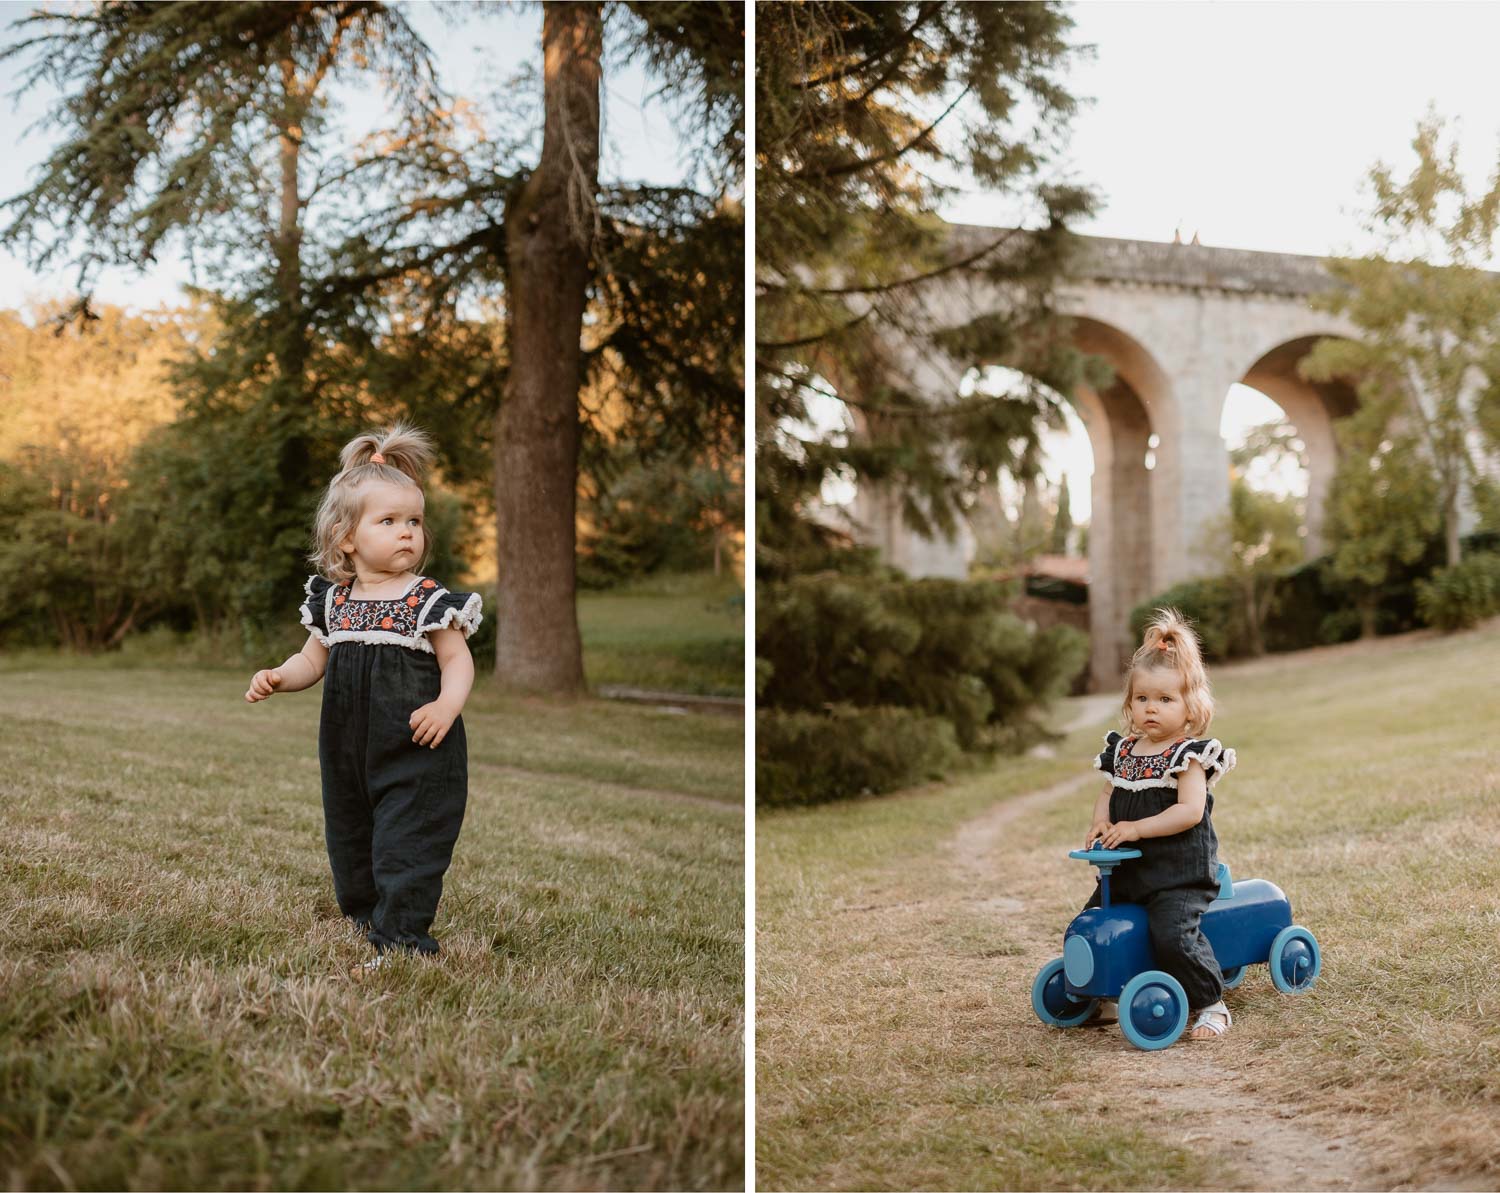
[
  {"x": 1156, "y": 705},
  {"x": 390, "y": 535}
]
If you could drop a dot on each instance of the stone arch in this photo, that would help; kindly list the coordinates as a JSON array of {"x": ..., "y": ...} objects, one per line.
[
  {"x": 1311, "y": 407},
  {"x": 1130, "y": 520},
  {"x": 1133, "y": 518},
  {"x": 1180, "y": 324}
]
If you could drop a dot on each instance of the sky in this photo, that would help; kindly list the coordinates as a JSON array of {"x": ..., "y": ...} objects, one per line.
[
  {"x": 1253, "y": 123},
  {"x": 476, "y": 53}
]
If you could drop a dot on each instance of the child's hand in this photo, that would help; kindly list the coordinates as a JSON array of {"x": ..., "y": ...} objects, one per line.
[
  {"x": 431, "y": 723},
  {"x": 263, "y": 684},
  {"x": 1118, "y": 834},
  {"x": 1096, "y": 830}
]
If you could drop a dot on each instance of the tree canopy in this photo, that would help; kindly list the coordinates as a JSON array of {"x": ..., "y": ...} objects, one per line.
[
  {"x": 1427, "y": 359},
  {"x": 205, "y": 122},
  {"x": 867, "y": 116},
  {"x": 357, "y": 282}
]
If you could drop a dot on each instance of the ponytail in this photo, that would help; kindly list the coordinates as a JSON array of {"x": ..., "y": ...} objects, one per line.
[
  {"x": 1170, "y": 642},
  {"x": 400, "y": 454}
]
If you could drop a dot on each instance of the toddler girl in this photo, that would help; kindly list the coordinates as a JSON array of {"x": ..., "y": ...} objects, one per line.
[
  {"x": 393, "y": 643},
  {"x": 1158, "y": 802}
]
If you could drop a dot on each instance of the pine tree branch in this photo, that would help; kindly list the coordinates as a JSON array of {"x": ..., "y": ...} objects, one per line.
[
  {"x": 901, "y": 283},
  {"x": 923, "y": 16},
  {"x": 331, "y": 51},
  {"x": 322, "y": 183},
  {"x": 879, "y": 159},
  {"x": 805, "y": 341}
]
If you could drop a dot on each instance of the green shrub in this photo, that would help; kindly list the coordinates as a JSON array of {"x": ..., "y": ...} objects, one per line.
[
  {"x": 1312, "y": 607},
  {"x": 944, "y": 649},
  {"x": 1460, "y": 596},
  {"x": 1299, "y": 602},
  {"x": 814, "y": 757},
  {"x": 642, "y": 519},
  {"x": 1341, "y": 625}
]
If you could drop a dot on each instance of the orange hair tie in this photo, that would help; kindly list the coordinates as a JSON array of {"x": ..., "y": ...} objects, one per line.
[{"x": 377, "y": 458}]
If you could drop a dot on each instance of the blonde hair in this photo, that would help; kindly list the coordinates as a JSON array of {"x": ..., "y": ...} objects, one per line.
[
  {"x": 1171, "y": 644},
  {"x": 406, "y": 455}
]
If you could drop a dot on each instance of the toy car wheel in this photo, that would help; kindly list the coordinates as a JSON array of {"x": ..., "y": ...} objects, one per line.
[
  {"x": 1295, "y": 960},
  {"x": 1233, "y": 977},
  {"x": 1052, "y": 1002},
  {"x": 1153, "y": 1009}
]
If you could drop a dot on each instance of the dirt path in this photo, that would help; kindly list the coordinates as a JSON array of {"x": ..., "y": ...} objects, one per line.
[{"x": 1209, "y": 1095}]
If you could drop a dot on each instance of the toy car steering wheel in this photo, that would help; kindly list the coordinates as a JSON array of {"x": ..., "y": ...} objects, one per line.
[
  {"x": 1104, "y": 857},
  {"x": 1106, "y": 860}
]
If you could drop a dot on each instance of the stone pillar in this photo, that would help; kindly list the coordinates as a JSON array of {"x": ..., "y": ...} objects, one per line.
[
  {"x": 1133, "y": 492},
  {"x": 1307, "y": 410},
  {"x": 1192, "y": 471},
  {"x": 1122, "y": 527},
  {"x": 1104, "y": 616},
  {"x": 878, "y": 507}
]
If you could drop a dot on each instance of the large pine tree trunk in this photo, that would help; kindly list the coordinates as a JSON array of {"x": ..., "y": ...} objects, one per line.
[
  {"x": 548, "y": 231},
  {"x": 291, "y": 351}
]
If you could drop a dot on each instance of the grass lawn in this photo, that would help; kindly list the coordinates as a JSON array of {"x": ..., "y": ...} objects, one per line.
[
  {"x": 173, "y": 1006},
  {"x": 898, "y": 938},
  {"x": 670, "y": 633}
]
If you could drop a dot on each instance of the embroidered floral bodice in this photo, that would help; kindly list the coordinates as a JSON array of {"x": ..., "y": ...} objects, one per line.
[
  {"x": 1138, "y": 773},
  {"x": 333, "y": 614}
]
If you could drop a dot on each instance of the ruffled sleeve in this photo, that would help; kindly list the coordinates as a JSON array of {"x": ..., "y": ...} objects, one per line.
[
  {"x": 315, "y": 607},
  {"x": 1216, "y": 759},
  {"x": 1106, "y": 759},
  {"x": 451, "y": 610}
]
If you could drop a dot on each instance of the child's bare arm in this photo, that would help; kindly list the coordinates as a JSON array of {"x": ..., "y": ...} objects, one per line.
[
  {"x": 431, "y": 722},
  {"x": 301, "y": 670},
  {"x": 1192, "y": 796}
]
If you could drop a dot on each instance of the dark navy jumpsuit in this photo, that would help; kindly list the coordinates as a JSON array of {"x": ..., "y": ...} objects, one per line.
[
  {"x": 1176, "y": 877},
  {"x": 391, "y": 808}
]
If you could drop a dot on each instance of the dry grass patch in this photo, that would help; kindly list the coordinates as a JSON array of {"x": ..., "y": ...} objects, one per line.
[
  {"x": 898, "y": 939},
  {"x": 173, "y": 1006}
]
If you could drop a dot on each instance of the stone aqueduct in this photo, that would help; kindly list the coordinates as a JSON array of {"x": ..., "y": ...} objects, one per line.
[{"x": 1180, "y": 324}]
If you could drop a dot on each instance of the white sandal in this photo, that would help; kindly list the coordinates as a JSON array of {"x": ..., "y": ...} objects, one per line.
[
  {"x": 1209, "y": 1017},
  {"x": 367, "y": 968}
]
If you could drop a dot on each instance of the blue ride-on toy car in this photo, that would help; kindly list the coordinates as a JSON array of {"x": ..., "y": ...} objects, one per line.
[{"x": 1107, "y": 954}]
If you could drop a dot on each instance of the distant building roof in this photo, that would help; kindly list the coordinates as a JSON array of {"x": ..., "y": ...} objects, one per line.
[
  {"x": 1061, "y": 567},
  {"x": 1056, "y": 567}
]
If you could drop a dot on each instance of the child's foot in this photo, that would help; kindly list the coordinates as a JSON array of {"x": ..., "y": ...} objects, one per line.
[
  {"x": 1106, "y": 1012},
  {"x": 1212, "y": 1022}
]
